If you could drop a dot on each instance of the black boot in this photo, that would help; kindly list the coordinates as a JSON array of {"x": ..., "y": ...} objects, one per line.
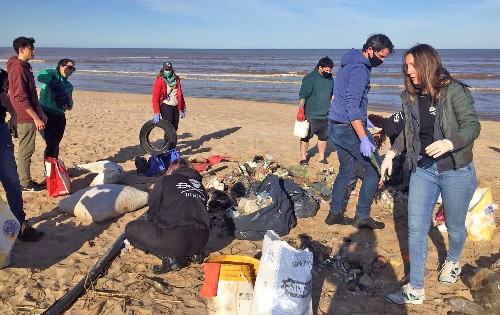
[
  {"x": 197, "y": 258},
  {"x": 168, "y": 264}
]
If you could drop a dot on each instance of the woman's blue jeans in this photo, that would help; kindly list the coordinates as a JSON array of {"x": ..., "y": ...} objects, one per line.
[
  {"x": 346, "y": 141},
  {"x": 456, "y": 188}
]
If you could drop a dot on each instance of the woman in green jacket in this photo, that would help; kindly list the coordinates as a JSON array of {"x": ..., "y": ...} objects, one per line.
[
  {"x": 440, "y": 128},
  {"x": 55, "y": 99}
]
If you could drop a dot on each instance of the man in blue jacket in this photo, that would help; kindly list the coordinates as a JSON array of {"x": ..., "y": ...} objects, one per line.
[
  {"x": 315, "y": 99},
  {"x": 348, "y": 123}
]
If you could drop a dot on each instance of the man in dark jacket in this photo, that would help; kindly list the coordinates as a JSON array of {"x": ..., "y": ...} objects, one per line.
[
  {"x": 24, "y": 98},
  {"x": 348, "y": 122},
  {"x": 177, "y": 223},
  {"x": 315, "y": 99},
  {"x": 8, "y": 169}
]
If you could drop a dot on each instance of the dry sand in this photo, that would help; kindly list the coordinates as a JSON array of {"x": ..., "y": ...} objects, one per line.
[{"x": 106, "y": 126}]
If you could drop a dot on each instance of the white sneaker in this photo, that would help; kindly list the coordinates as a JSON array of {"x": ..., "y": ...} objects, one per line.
[
  {"x": 407, "y": 295},
  {"x": 449, "y": 272}
]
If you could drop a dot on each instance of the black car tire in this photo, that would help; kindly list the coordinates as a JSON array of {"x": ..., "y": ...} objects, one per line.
[{"x": 169, "y": 140}]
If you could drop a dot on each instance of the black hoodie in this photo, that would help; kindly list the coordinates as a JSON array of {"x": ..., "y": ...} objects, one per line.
[{"x": 179, "y": 200}]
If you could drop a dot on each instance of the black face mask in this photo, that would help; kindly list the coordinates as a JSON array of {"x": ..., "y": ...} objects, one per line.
[
  {"x": 375, "y": 61},
  {"x": 326, "y": 75}
]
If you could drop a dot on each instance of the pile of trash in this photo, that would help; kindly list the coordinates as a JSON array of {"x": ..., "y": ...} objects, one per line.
[
  {"x": 357, "y": 273},
  {"x": 485, "y": 288},
  {"x": 241, "y": 182}
]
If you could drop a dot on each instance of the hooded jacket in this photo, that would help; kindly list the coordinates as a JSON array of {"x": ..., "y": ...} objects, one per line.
[
  {"x": 22, "y": 89},
  {"x": 160, "y": 92},
  {"x": 48, "y": 77},
  {"x": 352, "y": 84},
  {"x": 317, "y": 91},
  {"x": 179, "y": 200}
]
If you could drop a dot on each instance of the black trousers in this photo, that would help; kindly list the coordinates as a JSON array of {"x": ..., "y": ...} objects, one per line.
[
  {"x": 176, "y": 242},
  {"x": 171, "y": 114},
  {"x": 53, "y": 134}
]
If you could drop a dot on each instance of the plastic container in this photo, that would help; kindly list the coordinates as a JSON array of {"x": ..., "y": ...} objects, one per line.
[{"x": 235, "y": 287}]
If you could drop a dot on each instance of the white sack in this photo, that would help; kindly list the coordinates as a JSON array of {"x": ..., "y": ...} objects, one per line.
[
  {"x": 104, "y": 202},
  {"x": 284, "y": 281}
]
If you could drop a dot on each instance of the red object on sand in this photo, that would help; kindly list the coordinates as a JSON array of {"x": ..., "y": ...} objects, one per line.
[
  {"x": 201, "y": 166},
  {"x": 211, "y": 282},
  {"x": 440, "y": 214},
  {"x": 215, "y": 159}
]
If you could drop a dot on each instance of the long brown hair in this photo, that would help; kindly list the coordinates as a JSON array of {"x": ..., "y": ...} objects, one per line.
[
  {"x": 431, "y": 74},
  {"x": 178, "y": 164}
]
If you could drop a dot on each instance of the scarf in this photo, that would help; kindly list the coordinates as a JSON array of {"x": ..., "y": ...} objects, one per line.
[{"x": 170, "y": 81}]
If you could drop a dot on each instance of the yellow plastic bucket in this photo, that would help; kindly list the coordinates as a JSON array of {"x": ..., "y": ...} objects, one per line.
[
  {"x": 235, "y": 288},
  {"x": 236, "y": 267}
]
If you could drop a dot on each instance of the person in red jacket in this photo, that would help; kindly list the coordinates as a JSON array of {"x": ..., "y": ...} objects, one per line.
[
  {"x": 30, "y": 116},
  {"x": 168, "y": 99}
]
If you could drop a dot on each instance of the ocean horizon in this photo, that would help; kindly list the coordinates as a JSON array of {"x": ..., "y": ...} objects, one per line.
[{"x": 264, "y": 75}]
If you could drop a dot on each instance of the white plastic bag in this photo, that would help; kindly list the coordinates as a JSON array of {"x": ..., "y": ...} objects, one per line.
[
  {"x": 9, "y": 231},
  {"x": 301, "y": 129},
  {"x": 107, "y": 172},
  {"x": 284, "y": 280},
  {"x": 104, "y": 202}
]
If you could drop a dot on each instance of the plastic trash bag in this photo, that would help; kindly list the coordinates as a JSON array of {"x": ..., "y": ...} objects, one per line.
[
  {"x": 284, "y": 280},
  {"x": 10, "y": 230},
  {"x": 479, "y": 222}
]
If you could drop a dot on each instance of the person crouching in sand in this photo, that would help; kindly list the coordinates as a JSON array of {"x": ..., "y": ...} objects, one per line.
[{"x": 177, "y": 223}]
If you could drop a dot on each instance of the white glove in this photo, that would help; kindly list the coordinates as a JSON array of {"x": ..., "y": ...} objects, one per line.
[
  {"x": 438, "y": 148},
  {"x": 387, "y": 164}
]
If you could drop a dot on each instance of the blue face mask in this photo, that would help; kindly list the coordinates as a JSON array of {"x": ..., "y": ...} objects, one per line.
[{"x": 167, "y": 74}]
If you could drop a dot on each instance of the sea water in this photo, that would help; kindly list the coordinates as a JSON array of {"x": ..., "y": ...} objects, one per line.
[{"x": 264, "y": 75}]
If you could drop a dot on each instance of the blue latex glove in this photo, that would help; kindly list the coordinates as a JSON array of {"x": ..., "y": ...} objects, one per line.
[
  {"x": 183, "y": 114},
  {"x": 369, "y": 124},
  {"x": 156, "y": 118},
  {"x": 366, "y": 147}
]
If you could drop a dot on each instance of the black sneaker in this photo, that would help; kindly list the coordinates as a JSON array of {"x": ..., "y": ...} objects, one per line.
[
  {"x": 332, "y": 219},
  {"x": 368, "y": 223},
  {"x": 197, "y": 258},
  {"x": 169, "y": 264},
  {"x": 33, "y": 186},
  {"x": 29, "y": 233}
]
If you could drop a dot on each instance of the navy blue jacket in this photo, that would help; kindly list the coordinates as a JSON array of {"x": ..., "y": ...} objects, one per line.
[{"x": 352, "y": 84}]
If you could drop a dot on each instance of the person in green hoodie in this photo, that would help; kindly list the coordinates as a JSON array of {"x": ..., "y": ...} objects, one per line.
[
  {"x": 55, "y": 99},
  {"x": 315, "y": 97}
]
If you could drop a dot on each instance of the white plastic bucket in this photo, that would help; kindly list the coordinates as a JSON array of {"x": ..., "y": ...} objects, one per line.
[{"x": 235, "y": 285}]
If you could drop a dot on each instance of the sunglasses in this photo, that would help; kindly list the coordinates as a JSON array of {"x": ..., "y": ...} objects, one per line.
[{"x": 71, "y": 68}]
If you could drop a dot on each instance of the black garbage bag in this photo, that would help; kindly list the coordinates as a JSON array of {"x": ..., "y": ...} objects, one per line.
[
  {"x": 60, "y": 93},
  {"x": 304, "y": 205},
  {"x": 221, "y": 231},
  {"x": 278, "y": 216}
]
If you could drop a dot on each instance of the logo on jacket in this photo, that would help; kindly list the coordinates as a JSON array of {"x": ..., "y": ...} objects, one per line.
[{"x": 192, "y": 189}]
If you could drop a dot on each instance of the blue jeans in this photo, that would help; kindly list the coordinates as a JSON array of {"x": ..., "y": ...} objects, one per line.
[
  {"x": 456, "y": 188},
  {"x": 347, "y": 142},
  {"x": 8, "y": 174}
]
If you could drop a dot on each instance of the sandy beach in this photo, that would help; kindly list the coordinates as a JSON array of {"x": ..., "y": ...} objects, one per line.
[{"x": 106, "y": 126}]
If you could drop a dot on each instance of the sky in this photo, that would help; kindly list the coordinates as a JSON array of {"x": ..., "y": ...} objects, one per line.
[{"x": 243, "y": 24}]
